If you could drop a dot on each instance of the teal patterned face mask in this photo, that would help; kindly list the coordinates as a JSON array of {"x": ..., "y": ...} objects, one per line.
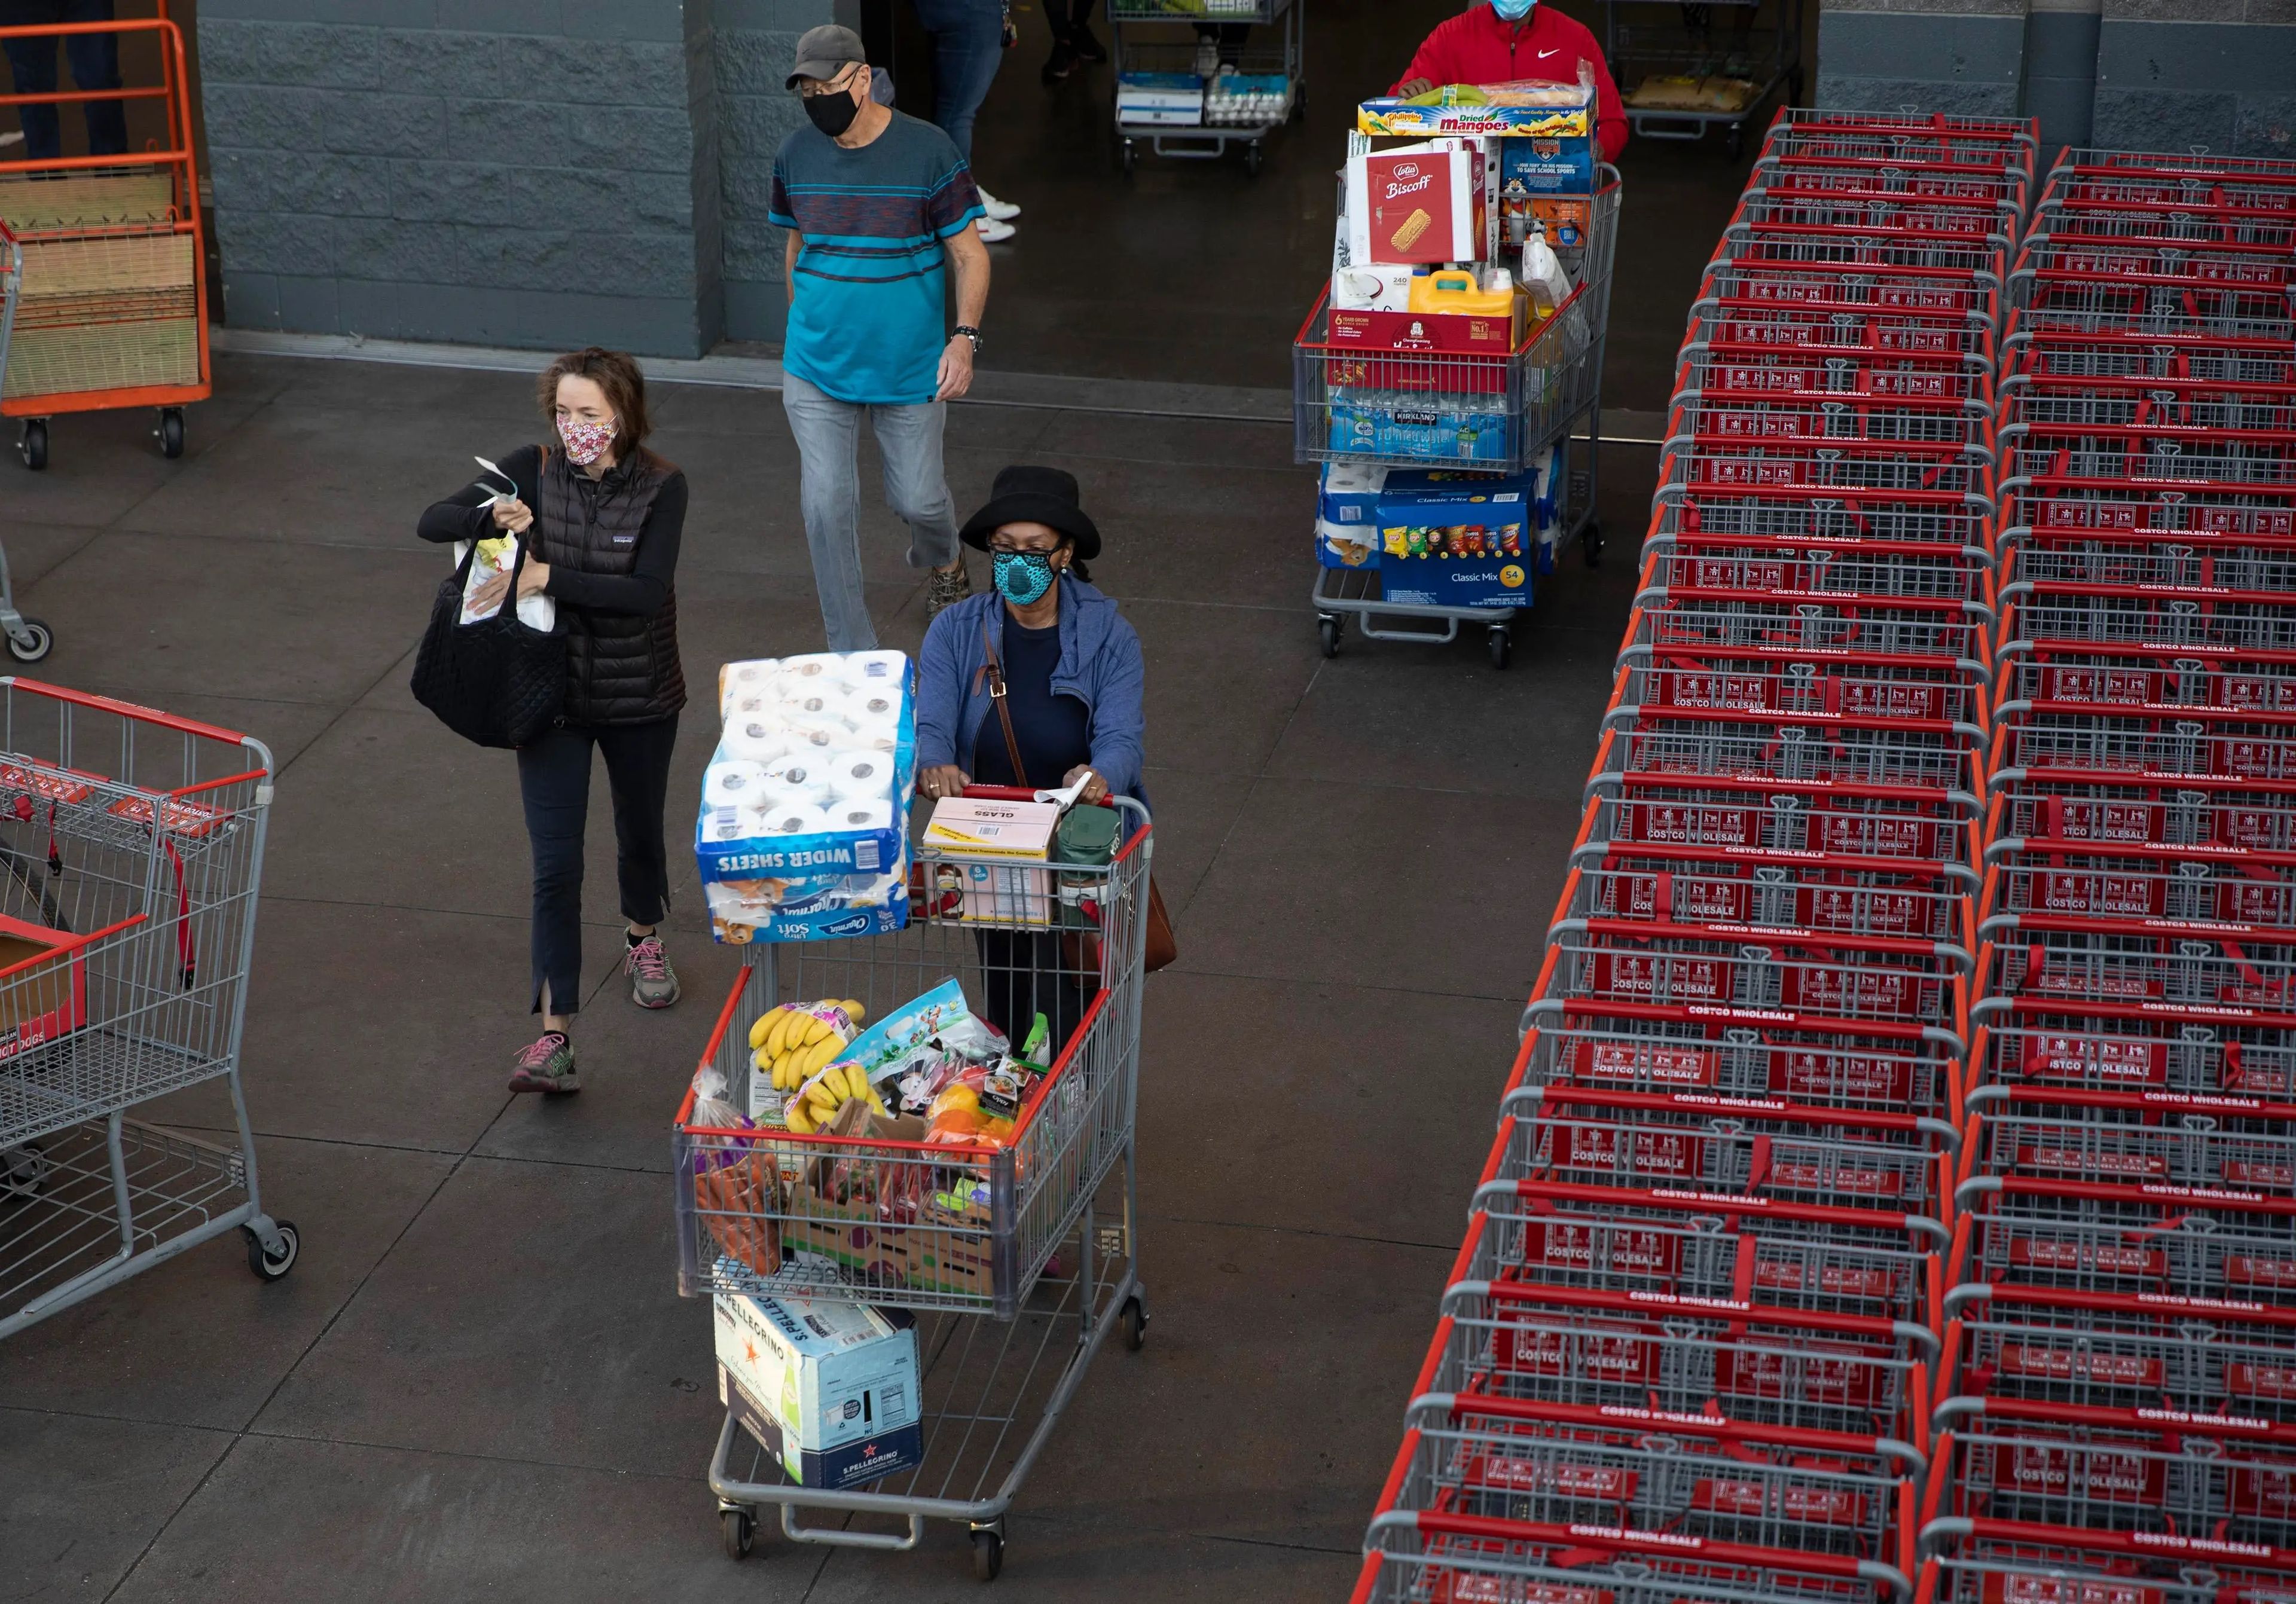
[
  {"x": 1022, "y": 577},
  {"x": 1514, "y": 11}
]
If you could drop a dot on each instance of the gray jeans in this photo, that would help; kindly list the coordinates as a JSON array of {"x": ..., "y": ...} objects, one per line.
[{"x": 828, "y": 436}]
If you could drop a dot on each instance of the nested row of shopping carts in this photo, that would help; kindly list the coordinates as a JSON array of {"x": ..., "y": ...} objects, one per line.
[
  {"x": 2117, "y": 1390},
  {"x": 1897, "y": 1195},
  {"x": 1694, "y": 1342}
]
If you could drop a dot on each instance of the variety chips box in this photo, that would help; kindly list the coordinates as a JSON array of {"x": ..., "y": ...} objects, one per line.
[
  {"x": 1478, "y": 583},
  {"x": 804, "y": 826}
]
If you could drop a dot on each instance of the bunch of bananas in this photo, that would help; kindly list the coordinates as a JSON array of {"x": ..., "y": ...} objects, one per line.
[
  {"x": 797, "y": 1039},
  {"x": 825, "y": 1097},
  {"x": 797, "y": 1043}
]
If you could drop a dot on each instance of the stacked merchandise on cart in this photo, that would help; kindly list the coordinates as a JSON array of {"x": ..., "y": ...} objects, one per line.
[
  {"x": 1455, "y": 351},
  {"x": 1690, "y": 1344},
  {"x": 2120, "y": 1356},
  {"x": 892, "y": 1157}
]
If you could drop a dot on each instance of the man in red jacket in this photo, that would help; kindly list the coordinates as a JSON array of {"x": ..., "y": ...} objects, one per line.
[{"x": 1508, "y": 39}]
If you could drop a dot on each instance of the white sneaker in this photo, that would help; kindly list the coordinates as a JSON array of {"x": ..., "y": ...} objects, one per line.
[
  {"x": 1003, "y": 211},
  {"x": 993, "y": 230}
]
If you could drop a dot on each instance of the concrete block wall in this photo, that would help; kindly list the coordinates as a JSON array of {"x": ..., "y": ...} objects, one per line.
[
  {"x": 2157, "y": 75},
  {"x": 531, "y": 173},
  {"x": 2173, "y": 74},
  {"x": 756, "y": 46},
  {"x": 1963, "y": 57}
]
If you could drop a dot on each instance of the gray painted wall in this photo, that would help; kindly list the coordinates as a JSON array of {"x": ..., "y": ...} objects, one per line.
[
  {"x": 1963, "y": 57},
  {"x": 757, "y": 45},
  {"x": 2160, "y": 75},
  {"x": 531, "y": 173}
]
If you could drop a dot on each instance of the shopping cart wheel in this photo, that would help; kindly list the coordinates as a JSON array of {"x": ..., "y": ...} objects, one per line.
[
  {"x": 1328, "y": 628},
  {"x": 1733, "y": 141},
  {"x": 739, "y": 1528},
  {"x": 36, "y": 641},
  {"x": 1130, "y": 156},
  {"x": 171, "y": 431},
  {"x": 987, "y": 1555},
  {"x": 267, "y": 1265},
  {"x": 22, "y": 1170},
  {"x": 33, "y": 445},
  {"x": 1254, "y": 159},
  {"x": 1136, "y": 1325},
  {"x": 1499, "y": 646},
  {"x": 1591, "y": 544}
]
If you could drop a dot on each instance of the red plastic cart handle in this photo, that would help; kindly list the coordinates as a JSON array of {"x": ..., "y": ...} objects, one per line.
[{"x": 1623, "y": 1417}]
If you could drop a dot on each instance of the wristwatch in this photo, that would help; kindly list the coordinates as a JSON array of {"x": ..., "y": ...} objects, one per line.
[{"x": 971, "y": 333}]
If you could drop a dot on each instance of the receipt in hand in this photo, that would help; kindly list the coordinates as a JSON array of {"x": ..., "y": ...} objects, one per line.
[{"x": 497, "y": 555}]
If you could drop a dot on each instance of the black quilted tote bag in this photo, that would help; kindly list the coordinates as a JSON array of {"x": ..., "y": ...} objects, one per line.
[{"x": 499, "y": 682}]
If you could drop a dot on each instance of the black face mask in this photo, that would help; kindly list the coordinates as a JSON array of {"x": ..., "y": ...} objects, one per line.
[{"x": 833, "y": 113}]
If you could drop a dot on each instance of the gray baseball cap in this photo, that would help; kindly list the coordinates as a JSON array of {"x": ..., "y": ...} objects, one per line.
[{"x": 825, "y": 52}]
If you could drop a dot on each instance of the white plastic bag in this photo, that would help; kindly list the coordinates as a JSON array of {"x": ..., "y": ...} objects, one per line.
[{"x": 497, "y": 555}]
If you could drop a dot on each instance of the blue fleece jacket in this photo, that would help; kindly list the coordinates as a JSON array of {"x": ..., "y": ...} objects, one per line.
[{"x": 1100, "y": 666}]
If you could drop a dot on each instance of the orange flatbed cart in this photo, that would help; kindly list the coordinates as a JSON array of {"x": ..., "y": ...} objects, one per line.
[{"x": 112, "y": 307}]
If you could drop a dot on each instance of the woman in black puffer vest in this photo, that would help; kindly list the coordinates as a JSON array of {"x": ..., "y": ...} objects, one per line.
[{"x": 602, "y": 517}]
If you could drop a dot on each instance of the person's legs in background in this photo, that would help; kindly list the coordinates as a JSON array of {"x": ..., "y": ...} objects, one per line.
[
  {"x": 828, "y": 433},
  {"x": 95, "y": 61},
  {"x": 637, "y": 774},
  {"x": 32, "y": 62},
  {"x": 968, "y": 47},
  {"x": 1073, "y": 38},
  {"x": 1022, "y": 976},
  {"x": 554, "y": 782},
  {"x": 916, "y": 487}
]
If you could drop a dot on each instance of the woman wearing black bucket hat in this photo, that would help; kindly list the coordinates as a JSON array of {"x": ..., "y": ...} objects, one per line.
[{"x": 1066, "y": 666}]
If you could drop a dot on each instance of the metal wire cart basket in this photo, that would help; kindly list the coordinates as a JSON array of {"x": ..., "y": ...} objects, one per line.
[
  {"x": 131, "y": 849},
  {"x": 1022, "y": 1256}
]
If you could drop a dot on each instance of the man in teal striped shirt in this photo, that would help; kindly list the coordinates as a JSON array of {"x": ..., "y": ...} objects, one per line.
[{"x": 881, "y": 211}]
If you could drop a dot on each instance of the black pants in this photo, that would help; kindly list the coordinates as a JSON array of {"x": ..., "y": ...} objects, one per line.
[
  {"x": 94, "y": 65},
  {"x": 1067, "y": 17},
  {"x": 553, "y": 778},
  {"x": 1021, "y": 977}
]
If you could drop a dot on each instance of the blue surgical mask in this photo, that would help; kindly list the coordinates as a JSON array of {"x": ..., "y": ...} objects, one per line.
[
  {"x": 1022, "y": 577},
  {"x": 1514, "y": 11}
]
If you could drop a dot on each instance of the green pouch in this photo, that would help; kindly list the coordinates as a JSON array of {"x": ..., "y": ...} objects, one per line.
[{"x": 1086, "y": 835}]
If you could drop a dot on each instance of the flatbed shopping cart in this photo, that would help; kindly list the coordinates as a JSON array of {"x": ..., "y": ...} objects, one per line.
[
  {"x": 1508, "y": 413},
  {"x": 1017, "y": 1261},
  {"x": 1259, "y": 84},
  {"x": 1684, "y": 69},
  {"x": 114, "y": 293},
  {"x": 131, "y": 850}
]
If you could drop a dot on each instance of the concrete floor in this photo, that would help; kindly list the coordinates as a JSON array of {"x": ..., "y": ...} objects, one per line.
[{"x": 479, "y": 1381}]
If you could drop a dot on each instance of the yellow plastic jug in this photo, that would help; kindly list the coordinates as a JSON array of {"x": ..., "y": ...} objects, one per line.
[{"x": 1455, "y": 290}]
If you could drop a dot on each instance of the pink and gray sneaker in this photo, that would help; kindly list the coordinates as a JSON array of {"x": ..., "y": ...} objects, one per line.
[
  {"x": 654, "y": 984},
  {"x": 547, "y": 1065}
]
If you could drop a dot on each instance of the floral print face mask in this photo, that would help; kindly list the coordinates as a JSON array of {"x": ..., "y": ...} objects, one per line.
[{"x": 586, "y": 443}]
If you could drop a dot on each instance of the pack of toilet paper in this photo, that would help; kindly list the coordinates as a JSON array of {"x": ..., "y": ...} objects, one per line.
[{"x": 805, "y": 806}]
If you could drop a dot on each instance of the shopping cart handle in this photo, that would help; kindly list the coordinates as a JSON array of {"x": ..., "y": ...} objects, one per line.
[{"x": 1017, "y": 793}]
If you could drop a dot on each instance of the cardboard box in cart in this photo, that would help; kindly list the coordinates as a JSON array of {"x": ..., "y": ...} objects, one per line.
[
  {"x": 1420, "y": 202},
  {"x": 829, "y": 1388},
  {"x": 40, "y": 1001}
]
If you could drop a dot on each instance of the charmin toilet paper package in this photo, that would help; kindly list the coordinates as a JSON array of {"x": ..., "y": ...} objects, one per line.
[
  {"x": 805, "y": 910},
  {"x": 803, "y": 828}
]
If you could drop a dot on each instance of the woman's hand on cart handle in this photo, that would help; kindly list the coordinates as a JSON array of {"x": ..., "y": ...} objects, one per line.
[
  {"x": 512, "y": 515},
  {"x": 946, "y": 780},
  {"x": 489, "y": 597},
  {"x": 1094, "y": 787},
  {"x": 1413, "y": 88}
]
